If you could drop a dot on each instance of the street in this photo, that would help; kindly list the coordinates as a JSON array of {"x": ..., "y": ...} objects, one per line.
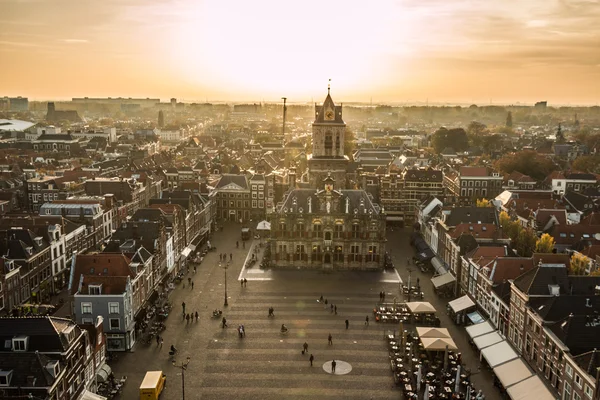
[{"x": 266, "y": 364}]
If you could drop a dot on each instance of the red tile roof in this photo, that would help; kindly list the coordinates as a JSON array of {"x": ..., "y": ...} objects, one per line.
[
  {"x": 473, "y": 171},
  {"x": 543, "y": 216},
  {"x": 506, "y": 268},
  {"x": 109, "y": 269},
  {"x": 551, "y": 258},
  {"x": 482, "y": 231}
]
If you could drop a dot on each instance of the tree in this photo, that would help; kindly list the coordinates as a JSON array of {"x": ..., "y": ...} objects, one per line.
[
  {"x": 476, "y": 128},
  {"x": 579, "y": 263},
  {"x": 544, "y": 244},
  {"x": 510, "y": 228},
  {"x": 590, "y": 164},
  {"x": 455, "y": 138},
  {"x": 483, "y": 203},
  {"x": 526, "y": 241},
  {"x": 509, "y": 120},
  {"x": 161, "y": 119},
  {"x": 527, "y": 162}
]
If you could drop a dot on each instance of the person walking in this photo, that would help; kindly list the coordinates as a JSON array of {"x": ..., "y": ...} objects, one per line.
[
  {"x": 157, "y": 340},
  {"x": 331, "y": 308},
  {"x": 242, "y": 282},
  {"x": 189, "y": 281},
  {"x": 183, "y": 306},
  {"x": 224, "y": 322},
  {"x": 161, "y": 342},
  {"x": 194, "y": 269},
  {"x": 311, "y": 359},
  {"x": 230, "y": 256},
  {"x": 237, "y": 245},
  {"x": 347, "y": 323},
  {"x": 335, "y": 309},
  {"x": 367, "y": 321},
  {"x": 192, "y": 285},
  {"x": 321, "y": 299},
  {"x": 305, "y": 348},
  {"x": 245, "y": 282},
  {"x": 187, "y": 318},
  {"x": 196, "y": 316},
  {"x": 330, "y": 339},
  {"x": 333, "y": 364}
]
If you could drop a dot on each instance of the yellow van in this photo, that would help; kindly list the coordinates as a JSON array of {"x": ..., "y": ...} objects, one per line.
[{"x": 152, "y": 385}]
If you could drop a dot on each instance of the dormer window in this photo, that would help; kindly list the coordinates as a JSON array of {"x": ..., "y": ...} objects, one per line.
[
  {"x": 5, "y": 377},
  {"x": 53, "y": 368},
  {"x": 95, "y": 289},
  {"x": 20, "y": 343}
]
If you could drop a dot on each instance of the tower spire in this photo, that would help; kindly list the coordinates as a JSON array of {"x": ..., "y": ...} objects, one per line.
[{"x": 329, "y": 86}]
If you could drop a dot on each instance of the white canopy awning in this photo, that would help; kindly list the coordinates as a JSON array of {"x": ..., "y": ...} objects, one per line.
[
  {"x": 426, "y": 332},
  {"x": 103, "y": 373},
  {"x": 480, "y": 329},
  {"x": 487, "y": 340},
  {"x": 461, "y": 304},
  {"x": 530, "y": 388},
  {"x": 499, "y": 353},
  {"x": 438, "y": 344},
  {"x": 420, "y": 307},
  {"x": 443, "y": 279},
  {"x": 512, "y": 372},
  {"x": 263, "y": 226},
  {"x": 186, "y": 252}
]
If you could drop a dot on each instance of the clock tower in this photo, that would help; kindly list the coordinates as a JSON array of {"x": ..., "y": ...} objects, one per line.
[{"x": 328, "y": 134}]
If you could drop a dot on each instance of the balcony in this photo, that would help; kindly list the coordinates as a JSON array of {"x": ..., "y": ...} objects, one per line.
[{"x": 327, "y": 243}]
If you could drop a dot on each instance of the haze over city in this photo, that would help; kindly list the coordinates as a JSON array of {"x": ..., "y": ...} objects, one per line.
[{"x": 389, "y": 51}]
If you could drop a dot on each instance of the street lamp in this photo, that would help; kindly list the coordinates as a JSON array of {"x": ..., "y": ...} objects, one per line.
[
  {"x": 225, "y": 304},
  {"x": 183, "y": 367},
  {"x": 409, "y": 283}
]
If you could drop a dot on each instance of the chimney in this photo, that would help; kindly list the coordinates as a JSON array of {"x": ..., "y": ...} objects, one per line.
[{"x": 588, "y": 303}]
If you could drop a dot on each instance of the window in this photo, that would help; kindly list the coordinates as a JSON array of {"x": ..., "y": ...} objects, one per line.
[
  {"x": 566, "y": 391},
  {"x": 317, "y": 230},
  {"x": 86, "y": 308},
  {"x": 113, "y": 308},
  {"x": 576, "y": 396},
  {"x": 569, "y": 370},
  {"x": 95, "y": 289},
  {"x": 87, "y": 321},
  {"x": 354, "y": 253},
  {"x": 338, "y": 254},
  {"x": 355, "y": 231},
  {"x": 578, "y": 381},
  {"x": 338, "y": 230},
  {"x": 19, "y": 344},
  {"x": 115, "y": 323},
  {"x": 588, "y": 391}
]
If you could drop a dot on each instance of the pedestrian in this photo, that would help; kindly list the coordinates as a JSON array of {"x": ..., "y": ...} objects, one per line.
[
  {"x": 330, "y": 338},
  {"x": 243, "y": 244},
  {"x": 230, "y": 256},
  {"x": 245, "y": 282},
  {"x": 347, "y": 323},
  {"x": 161, "y": 342},
  {"x": 383, "y": 294},
  {"x": 187, "y": 318},
  {"x": 157, "y": 340},
  {"x": 311, "y": 359},
  {"x": 183, "y": 316},
  {"x": 321, "y": 299},
  {"x": 335, "y": 309},
  {"x": 367, "y": 321},
  {"x": 183, "y": 306},
  {"x": 333, "y": 364},
  {"x": 224, "y": 322},
  {"x": 418, "y": 283},
  {"x": 325, "y": 301},
  {"x": 194, "y": 269},
  {"x": 242, "y": 282},
  {"x": 305, "y": 348},
  {"x": 189, "y": 281},
  {"x": 237, "y": 245},
  {"x": 196, "y": 316},
  {"x": 331, "y": 308},
  {"x": 192, "y": 285}
]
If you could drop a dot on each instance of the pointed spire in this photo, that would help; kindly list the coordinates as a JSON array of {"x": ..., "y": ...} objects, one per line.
[{"x": 329, "y": 86}]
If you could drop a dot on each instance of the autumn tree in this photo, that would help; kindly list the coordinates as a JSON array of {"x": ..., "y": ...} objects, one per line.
[
  {"x": 510, "y": 228},
  {"x": 527, "y": 162},
  {"x": 483, "y": 203},
  {"x": 589, "y": 164},
  {"x": 545, "y": 244},
  {"x": 579, "y": 264}
]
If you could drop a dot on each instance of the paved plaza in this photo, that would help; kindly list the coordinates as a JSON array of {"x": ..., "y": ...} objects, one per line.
[{"x": 267, "y": 364}]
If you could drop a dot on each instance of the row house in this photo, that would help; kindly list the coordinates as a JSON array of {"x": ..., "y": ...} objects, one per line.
[
  {"x": 174, "y": 216},
  {"x": 470, "y": 183},
  {"x": 560, "y": 182},
  {"x": 551, "y": 316},
  {"x": 53, "y": 358},
  {"x": 581, "y": 376},
  {"x": 517, "y": 180},
  {"x": 257, "y": 183},
  {"x": 233, "y": 196},
  {"x": 129, "y": 194},
  {"x": 162, "y": 226},
  {"x": 328, "y": 229},
  {"x": 101, "y": 285},
  {"x": 27, "y": 275},
  {"x": 42, "y": 189}
]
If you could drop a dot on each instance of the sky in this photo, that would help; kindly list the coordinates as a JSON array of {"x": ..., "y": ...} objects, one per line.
[{"x": 404, "y": 51}]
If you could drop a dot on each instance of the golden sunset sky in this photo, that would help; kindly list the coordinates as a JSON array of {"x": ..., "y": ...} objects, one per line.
[{"x": 467, "y": 51}]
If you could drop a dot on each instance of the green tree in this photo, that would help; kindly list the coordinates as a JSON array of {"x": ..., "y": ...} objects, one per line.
[
  {"x": 545, "y": 244},
  {"x": 526, "y": 241},
  {"x": 509, "y": 122},
  {"x": 579, "y": 263},
  {"x": 455, "y": 138},
  {"x": 476, "y": 128}
]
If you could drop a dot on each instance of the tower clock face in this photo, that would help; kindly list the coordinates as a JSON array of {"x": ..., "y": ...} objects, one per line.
[{"x": 329, "y": 115}]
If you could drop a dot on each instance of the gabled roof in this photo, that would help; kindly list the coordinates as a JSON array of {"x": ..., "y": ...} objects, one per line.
[
  {"x": 578, "y": 201},
  {"x": 233, "y": 182},
  {"x": 299, "y": 198},
  {"x": 479, "y": 231},
  {"x": 537, "y": 281},
  {"x": 505, "y": 268},
  {"x": 589, "y": 362},
  {"x": 580, "y": 333},
  {"x": 44, "y": 332},
  {"x": 544, "y": 217},
  {"x": 474, "y": 215},
  {"x": 473, "y": 171},
  {"x": 107, "y": 269},
  {"x": 328, "y": 104}
]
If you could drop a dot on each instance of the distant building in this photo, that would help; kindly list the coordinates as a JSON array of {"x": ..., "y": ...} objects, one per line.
[
  {"x": 54, "y": 115},
  {"x": 541, "y": 105},
  {"x": 15, "y": 103},
  {"x": 143, "y": 103}
]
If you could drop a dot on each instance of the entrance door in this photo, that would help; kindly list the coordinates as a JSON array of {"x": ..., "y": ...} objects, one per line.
[
  {"x": 232, "y": 215},
  {"x": 327, "y": 259}
]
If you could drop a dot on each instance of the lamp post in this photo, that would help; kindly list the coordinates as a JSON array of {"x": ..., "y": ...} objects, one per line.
[
  {"x": 225, "y": 303},
  {"x": 183, "y": 366},
  {"x": 409, "y": 283}
]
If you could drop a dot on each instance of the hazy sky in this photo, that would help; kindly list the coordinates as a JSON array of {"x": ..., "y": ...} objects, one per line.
[{"x": 502, "y": 51}]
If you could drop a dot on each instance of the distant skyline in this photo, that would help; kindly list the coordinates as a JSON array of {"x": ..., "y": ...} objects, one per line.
[{"x": 402, "y": 51}]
